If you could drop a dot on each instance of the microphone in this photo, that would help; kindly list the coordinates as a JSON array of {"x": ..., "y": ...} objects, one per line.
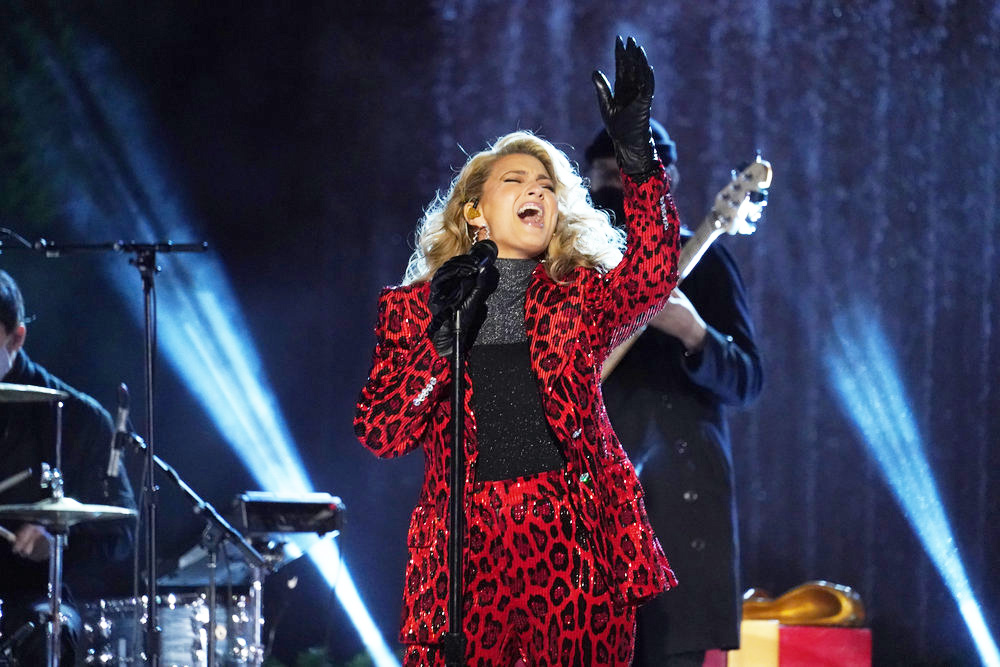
[
  {"x": 120, "y": 434},
  {"x": 483, "y": 255},
  {"x": 484, "y": 252}
]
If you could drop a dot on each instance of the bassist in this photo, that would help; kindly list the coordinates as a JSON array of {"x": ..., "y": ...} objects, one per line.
[{"x": 667, "y": 400}]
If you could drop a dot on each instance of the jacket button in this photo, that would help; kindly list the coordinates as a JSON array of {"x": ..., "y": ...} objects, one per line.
[
  {"x": 681, "y": 446},
  {"x": 690, "y": 496},
  {"x": 698, "y": 544}
]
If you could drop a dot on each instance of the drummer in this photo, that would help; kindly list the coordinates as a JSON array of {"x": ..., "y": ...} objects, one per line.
[{"x": 98, "y": 554}]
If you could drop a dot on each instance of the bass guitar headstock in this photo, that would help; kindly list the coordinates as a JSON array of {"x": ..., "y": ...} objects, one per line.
[{"x": 739, "y": 205}]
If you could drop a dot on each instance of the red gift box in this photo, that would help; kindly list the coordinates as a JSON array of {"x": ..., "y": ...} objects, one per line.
[
  {"x": 770, "y": 644},
  {"x": 819, "y": 646}
]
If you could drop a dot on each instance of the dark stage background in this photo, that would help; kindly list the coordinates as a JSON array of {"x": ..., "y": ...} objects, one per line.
[{"x": 302, "y": 140}]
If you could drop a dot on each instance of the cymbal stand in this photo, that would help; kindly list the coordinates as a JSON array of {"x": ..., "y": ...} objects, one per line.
[
  {"x": 52, "y": 478},
  {"x": 256, "y": 657},
  {"x": 211, "y": 542}
]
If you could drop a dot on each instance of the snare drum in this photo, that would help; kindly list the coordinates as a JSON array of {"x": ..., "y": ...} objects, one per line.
[{"x": 114, "y": 631}]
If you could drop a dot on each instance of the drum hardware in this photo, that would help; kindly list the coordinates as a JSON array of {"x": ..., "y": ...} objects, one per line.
[
  {"x": 17, "y": 637},
  {"x": 15, "y": 479},
  {"x": 57, "y": 513},
  {"x": 51, "y": 479},
  {"x": 144, "y": 259},
  {"x": 111, "y": 630},
  {"x": 217, "y": 531}
]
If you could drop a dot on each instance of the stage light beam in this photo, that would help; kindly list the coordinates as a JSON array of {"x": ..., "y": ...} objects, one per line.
[
  {"x": 110, "y": 180},
  {"x": 860, "y": 364}
]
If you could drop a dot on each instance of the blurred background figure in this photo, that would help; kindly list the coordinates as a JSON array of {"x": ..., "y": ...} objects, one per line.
[
  {"x": 667, "y": 401},
  {"x": 98, "y": 555}
]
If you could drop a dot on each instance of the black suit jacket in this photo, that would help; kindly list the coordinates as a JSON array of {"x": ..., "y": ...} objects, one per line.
[{"x": 670, "y": 413}]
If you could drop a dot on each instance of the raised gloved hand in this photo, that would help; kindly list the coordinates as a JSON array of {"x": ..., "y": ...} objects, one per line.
[
  {"x": 465, "y": 281},
  {"x": 626, "y": 111}
]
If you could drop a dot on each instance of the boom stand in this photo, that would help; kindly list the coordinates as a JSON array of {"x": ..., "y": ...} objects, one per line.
[
  {"x": 145, "y": 261},
  {"x": 218, "y": 530}
]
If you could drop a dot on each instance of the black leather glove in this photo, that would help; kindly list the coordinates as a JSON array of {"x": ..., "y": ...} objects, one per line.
[
  {"x": 626, "y": 112},
  {"x": 460, "y": 281}
]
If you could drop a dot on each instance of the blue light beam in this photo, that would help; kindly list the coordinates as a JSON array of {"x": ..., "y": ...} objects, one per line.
[
  {"x": 111, "y": 182},
  {"x": 861, "y": 367}
]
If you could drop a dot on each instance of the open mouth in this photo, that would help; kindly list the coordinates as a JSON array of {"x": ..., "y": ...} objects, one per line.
[{"x": 532, "y": 214}]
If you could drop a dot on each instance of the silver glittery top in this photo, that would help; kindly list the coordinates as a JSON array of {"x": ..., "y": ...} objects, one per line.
[{"x": 505, "y": 307}]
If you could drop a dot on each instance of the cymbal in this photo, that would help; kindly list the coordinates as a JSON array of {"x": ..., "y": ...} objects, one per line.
[
  {"x": 25, "y": 393},
  {"x": 63, "y": 513}
]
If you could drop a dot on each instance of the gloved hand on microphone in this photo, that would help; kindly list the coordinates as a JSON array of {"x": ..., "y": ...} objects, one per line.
[
  {"x": 626, "y": 111},
  {"x": 462, "y": 283}
]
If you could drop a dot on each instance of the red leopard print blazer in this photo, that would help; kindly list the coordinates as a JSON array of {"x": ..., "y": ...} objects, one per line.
[{"x": 571, "y": 328}]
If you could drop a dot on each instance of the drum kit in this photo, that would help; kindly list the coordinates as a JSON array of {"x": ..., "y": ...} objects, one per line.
[
  {"x": 157, "y": 629},
  {"x": 195, "y": 628}
]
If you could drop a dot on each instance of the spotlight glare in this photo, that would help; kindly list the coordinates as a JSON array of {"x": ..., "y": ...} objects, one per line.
[
  {"x": 328, "y": 561},
  {"x": 94, "y": 147},
  {"x": 860, "y": 365}
]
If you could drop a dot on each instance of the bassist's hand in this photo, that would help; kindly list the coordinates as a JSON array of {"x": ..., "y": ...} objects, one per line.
[{"x": 680, "y": 319}]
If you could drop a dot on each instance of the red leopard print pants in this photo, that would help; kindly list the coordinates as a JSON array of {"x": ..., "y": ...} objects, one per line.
[{"x": 533, "y": 595}]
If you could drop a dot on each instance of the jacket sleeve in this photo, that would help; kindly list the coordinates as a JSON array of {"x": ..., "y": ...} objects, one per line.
[
  {"x": 407, "y": 377},
  {"x": 729, "y": 366},
  {"x": 632, "y": 292}
]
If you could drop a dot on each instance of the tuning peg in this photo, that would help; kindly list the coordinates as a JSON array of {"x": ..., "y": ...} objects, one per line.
[{"x": 758, "y": 197}]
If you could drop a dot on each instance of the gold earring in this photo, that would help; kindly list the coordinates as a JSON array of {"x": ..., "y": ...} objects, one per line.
[{"x": 474, "y": 213}]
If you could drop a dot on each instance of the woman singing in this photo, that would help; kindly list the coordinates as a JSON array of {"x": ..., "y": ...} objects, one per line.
[{"x": 558, "y": 550}]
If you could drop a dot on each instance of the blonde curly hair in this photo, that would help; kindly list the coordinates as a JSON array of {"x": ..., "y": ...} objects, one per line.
[{"x": 584, "y": 236}]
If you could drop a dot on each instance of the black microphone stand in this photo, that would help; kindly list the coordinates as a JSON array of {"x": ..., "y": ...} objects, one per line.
[
  {"x": 484, "y": 253},
  {"x": 145, "y": 261},
  {"x": 454, "y": 638}
]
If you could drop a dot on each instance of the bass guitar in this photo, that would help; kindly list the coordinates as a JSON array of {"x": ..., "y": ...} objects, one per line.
[{"x": 736, "y": 210}]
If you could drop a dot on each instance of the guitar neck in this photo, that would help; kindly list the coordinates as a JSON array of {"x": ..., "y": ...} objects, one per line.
[
  {"x": 755, "y": 178},
  {"x": 696, "y": 246},
  {"x": 691, "y": 252}
]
